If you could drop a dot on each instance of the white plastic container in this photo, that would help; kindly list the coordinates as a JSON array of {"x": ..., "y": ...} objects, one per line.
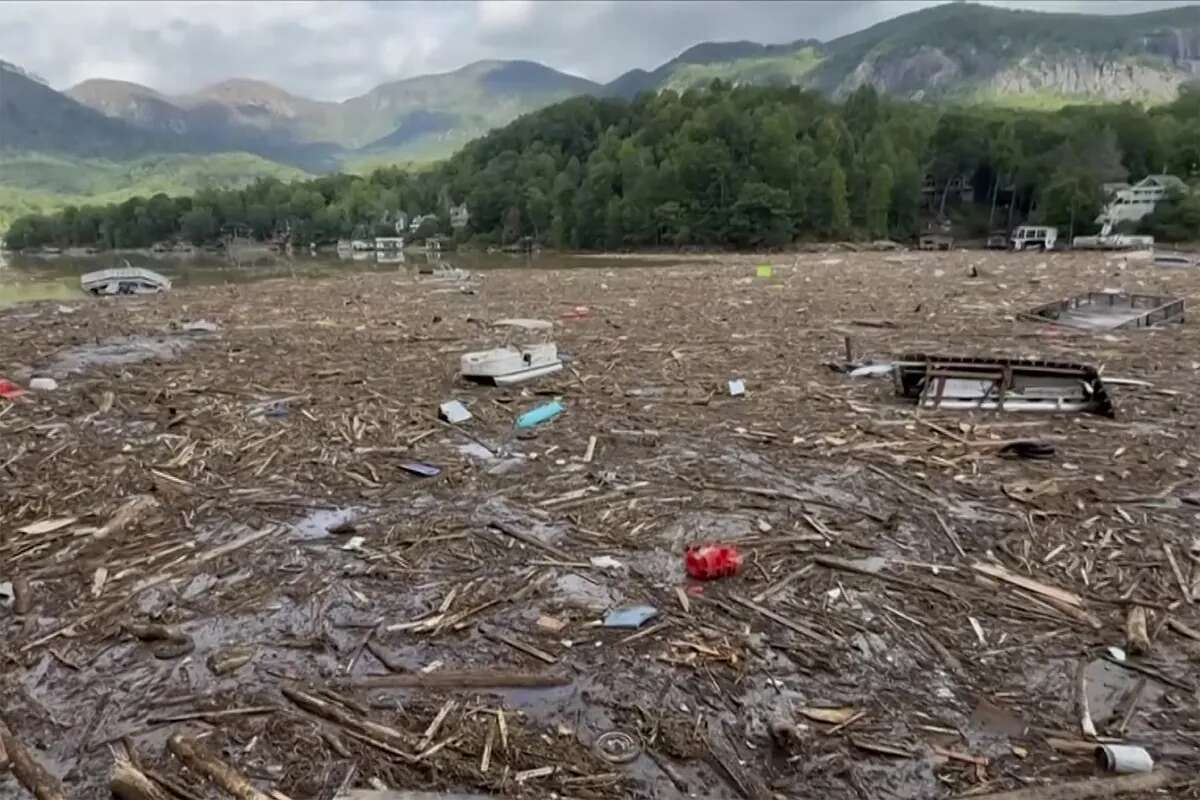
[{"x": 1123, "y": 758}]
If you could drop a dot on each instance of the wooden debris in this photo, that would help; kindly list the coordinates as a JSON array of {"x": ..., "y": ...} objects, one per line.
[
  {"x": 804, "y": 631},
  {"x": 1028, "y": 584},
  {"x": 832, "y": 715},
  {"x": 1183, "y": 630},
  {"x": 22, "y": 595},
  {"x": 432, "y": 730},
  {"x": 28, "y": 771},
  {"x": 130, "y": 512},
  {"x": 1137, "y": 639},
  {"x": 130, "y": 783},
  {"x": 517, "y": 644},
  {"x": 47, "y": 526},
  {"x": 460, "y": 679},
  {"x": 883, "y": 748},
  {"x": 1184, "y": 588},
  {"x": 195, "y": 757},
  {"x": 966, "y": 758},
  {"x": 1086, "y": 725},
  {"x": 859, "y": 521},
  {"x": 1091, "y": 788}
]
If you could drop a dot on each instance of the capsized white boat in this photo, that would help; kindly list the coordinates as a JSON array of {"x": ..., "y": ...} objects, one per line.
[
  {"x": 124, "y": 280},
  {"x": 514, "y": 363}
]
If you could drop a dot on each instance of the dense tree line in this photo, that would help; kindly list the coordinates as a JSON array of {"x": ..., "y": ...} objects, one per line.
[{"x": 746, "y": 166}]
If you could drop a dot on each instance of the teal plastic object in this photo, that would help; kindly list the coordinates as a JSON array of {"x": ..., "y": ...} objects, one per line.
[{"x": 540, "y": 414}]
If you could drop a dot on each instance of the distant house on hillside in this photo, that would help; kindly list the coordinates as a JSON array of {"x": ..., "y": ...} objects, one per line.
[
  {"x": 1130, "y": 203},
  {"x": 459, "y": 216},
  {"x": 418, "y": 220},
  {"x": 960, "y": 190},
  {"x": 401, "y": 222}
]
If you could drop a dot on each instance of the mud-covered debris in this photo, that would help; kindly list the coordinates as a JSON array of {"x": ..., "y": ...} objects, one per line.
[
  {"x": 201, "y": 326},
  {"x": 877, "y": 538},
  {"x": 231, "y": 659},
  {"x": 423, "y": 470}
]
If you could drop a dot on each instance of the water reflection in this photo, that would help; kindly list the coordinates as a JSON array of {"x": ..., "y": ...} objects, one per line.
[{"x": 25, "y": 277}]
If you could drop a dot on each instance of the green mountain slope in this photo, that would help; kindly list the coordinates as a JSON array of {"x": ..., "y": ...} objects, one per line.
[
  {"x": 34, "y": 116},
  {"x": 958, "y": 52},
  {"x": 967, "y": 52},
  {"x": 736, "y": 62},
  {"x": 469, "y": 101},
  {"x": 430, "y": 114},
  {"x": 962, "y": 51},
  {"x": 40, "y": 183}
]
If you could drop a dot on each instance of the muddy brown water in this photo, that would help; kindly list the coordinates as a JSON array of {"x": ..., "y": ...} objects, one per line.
[
  {"x": 27, "y": 277},
  {"x": 304, "y": 605}
]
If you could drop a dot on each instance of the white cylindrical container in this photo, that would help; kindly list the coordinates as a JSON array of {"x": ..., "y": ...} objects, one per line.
[{"x": 1123, "y": 758}]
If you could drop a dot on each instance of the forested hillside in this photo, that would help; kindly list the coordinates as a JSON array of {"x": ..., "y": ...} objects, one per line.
[{"x": 748, "y": 167}]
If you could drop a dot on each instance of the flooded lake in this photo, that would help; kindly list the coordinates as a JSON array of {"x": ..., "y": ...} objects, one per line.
[{"x": 26, "y": 278}]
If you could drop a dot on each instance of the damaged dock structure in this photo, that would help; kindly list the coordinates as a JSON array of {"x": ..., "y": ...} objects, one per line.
[{"x": 1109, "y": 310}]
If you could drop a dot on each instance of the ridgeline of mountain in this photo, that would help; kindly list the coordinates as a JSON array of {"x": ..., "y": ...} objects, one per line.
[
  {"x": 261, "y": 118},
  {"x": 971, "y": 52},
  {"x": 739, "y": 62},
  {"x": 35, "y": 117},
  {"x": 964, "y": 52},
  {"x": 957, "y": 52}
]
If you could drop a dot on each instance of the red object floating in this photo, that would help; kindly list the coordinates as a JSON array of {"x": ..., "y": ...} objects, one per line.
[
  {"x": 711, "y": 561},
  {"x": 9, "y": 390}
]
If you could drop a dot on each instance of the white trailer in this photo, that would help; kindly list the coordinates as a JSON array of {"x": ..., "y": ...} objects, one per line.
[{"x": 1035, "y": 237}]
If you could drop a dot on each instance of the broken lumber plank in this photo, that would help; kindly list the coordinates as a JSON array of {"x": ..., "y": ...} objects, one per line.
[
  {"x": 1028, "y": 584},
  {"x": 464, "y": 679},
  {"x": 129, "y": 783},
  {"x": 151, "y": 582},
  {"x": 803, "y": 630},
  {"x": 517, "y": 644},
  {"x": 404, "y": 794},
  {"x": 1090, "y": 788},
  {"x": 1184, "y": 588},
  {"x": 383, "y": 737},
  {"x": 198, "y": 759},
  {"x": 531, "y": 540},
  {"x": 28, "y": 771}
]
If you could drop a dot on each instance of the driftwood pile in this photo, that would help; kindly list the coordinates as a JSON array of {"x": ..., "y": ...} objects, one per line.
[{"x": 223, "y": 576}]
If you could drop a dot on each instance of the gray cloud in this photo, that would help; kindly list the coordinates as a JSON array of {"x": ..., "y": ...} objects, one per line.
[{"x": 334, "y": 50}]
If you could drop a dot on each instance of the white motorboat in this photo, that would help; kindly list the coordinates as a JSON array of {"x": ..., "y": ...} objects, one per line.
[{"x": 514, "y": 363}]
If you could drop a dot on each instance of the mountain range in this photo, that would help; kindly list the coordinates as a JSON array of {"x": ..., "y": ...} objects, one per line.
[{"x": 951, "y": 53}]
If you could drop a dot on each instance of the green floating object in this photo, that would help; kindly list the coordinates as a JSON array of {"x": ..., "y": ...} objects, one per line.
[{"x": 764, "y": 270}]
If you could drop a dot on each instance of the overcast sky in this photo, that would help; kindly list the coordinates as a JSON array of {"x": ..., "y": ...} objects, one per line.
[{"x": 337, "y": 49}]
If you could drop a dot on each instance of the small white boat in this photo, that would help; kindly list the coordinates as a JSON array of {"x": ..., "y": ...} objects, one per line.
[
  {"x": 124, "y": 280},
  {"x": 1173, "y": 259},
  {"x": 514, "y": 363}
]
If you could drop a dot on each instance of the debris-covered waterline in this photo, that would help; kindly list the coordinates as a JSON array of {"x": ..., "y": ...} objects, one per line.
[{"x": 224, "y": 545}]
